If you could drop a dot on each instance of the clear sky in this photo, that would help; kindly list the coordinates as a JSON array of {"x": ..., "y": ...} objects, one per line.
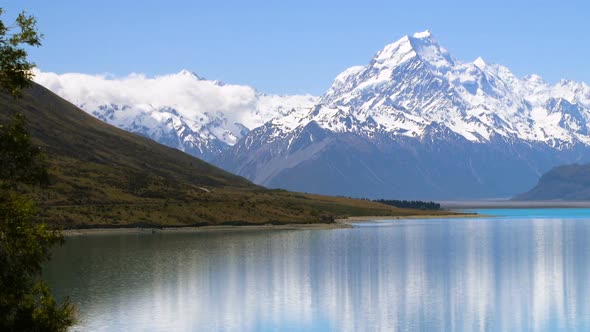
[{"x": 300, "y": 46}]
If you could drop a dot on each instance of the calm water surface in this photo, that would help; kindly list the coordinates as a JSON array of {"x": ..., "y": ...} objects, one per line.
[{"x": 528, "y": 270}]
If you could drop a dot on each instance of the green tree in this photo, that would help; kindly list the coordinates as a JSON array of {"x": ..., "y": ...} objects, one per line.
[
  {"x": 26, "y": 304},
  {"x": 15, "y": 69},
  {"x": 21, "y": 161}
]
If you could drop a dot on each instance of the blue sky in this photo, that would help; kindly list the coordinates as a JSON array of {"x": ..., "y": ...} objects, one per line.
[{"x": 300, "y": 46}]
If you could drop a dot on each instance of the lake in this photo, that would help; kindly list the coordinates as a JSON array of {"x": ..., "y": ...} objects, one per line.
[{"x": 527, "y": 270}]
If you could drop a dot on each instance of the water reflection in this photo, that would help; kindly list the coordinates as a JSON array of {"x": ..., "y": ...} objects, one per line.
[{"x": 452, "y": 275}]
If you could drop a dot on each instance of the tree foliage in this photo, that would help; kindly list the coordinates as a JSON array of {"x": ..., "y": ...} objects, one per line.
[
  {"x": 25, "y": 301},
  {"x": 421, "y": 205},
  {"x": 17, "y": 150},
  {"x": 26, "y": 304},
  {"x": 15, "y": 69}
]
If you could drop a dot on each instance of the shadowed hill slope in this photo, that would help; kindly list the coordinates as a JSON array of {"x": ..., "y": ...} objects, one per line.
[
  {"x": 567, "y": 182},
  {"x": 67, "y": 132}
]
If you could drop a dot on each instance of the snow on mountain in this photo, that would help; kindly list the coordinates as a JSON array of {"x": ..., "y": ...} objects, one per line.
[
  {"x": 414, "y": 122},
  {"x": 181, "y": 110},
  {"x": 407, "y": 86},
  {"x": 454, "y": 128},
  {"x": 414, "y": 82}
]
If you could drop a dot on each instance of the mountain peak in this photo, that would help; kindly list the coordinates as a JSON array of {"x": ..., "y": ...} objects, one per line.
[
  {"x": 534, "y": 78},
  {"x": 420, "y": 48},
  {"x": 480, "y": 62},
  {"x": 428, "y": 49},
  {"x": 396, "y": 53},
  {"x": 188, "y": 73},
  {"x": 420, "y": 44}
]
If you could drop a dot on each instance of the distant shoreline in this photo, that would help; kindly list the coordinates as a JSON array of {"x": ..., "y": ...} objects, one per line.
[
  {"x": 427, "y": 216},
  {"x": 338, "y": 224},
  {"x": 201, "y": 229},
  {"x": 507, "y": 204}
]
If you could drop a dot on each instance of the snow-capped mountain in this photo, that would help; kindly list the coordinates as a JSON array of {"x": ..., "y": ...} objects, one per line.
[
  {"x": 184, "y": 111},
  {"x": 414, "y": 82},
  {"x": 416, "y": 122}
]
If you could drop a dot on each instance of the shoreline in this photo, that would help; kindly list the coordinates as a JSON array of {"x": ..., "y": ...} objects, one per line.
[
  {"x": 508, "y": 204},
  {"x": 341, "y": 223},
  {"x": 426, "y": 216},
  {"x": 201, "y": 229}
]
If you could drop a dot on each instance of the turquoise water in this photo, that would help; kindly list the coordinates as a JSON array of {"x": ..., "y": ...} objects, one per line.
[
  {"x": 511, "y": 273},
  {"x": 562, "y": 213}
]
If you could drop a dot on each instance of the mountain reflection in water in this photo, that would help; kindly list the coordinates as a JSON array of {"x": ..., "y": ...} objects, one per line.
[{"x": 416, "y": 275}]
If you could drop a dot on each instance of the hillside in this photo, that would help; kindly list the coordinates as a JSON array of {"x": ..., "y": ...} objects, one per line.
[
  {"x": 102, "y": 176},
  {"x": 568, "y": 182}
]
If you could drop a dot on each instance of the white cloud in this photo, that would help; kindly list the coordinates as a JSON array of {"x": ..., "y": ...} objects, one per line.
[
  {"x": 208, "y": 108},
  {"x": 185, "y": 92}
]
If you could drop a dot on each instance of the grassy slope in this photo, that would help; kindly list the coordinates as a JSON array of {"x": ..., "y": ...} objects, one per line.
[
  {"x": 567, "y": 182},
  {"x": 104, "y": 176}
]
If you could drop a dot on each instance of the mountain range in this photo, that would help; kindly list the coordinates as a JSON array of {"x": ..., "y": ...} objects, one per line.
[
  {"x": 182, "y": 110},
  {"x": 414, "y": 122}
]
